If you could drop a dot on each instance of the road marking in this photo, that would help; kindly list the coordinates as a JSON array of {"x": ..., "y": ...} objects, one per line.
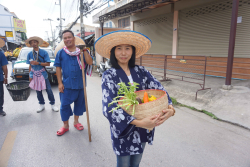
[{"x": 7, "y": 148}]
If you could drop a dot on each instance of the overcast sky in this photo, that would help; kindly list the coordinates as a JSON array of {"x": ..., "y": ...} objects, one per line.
[{"x": 35, "y": 11}]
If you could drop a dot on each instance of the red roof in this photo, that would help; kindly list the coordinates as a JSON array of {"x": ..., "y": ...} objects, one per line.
[{"x": 86, "y": 34}]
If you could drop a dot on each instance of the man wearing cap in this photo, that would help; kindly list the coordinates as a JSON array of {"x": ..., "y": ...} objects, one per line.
[
  {"x": 3, "y": 80},
  {"x": 68, "y": 65},
  {"x": 38, "y": 59}
]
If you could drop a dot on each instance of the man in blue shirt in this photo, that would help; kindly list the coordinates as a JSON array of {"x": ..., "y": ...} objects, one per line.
[
  {"x": 3, "y": 80},
  {"x": 68, "y": 66},
  {"x": 38, "y": 59}
]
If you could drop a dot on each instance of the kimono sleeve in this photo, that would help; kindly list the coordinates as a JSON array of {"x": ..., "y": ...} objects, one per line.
[
  {"x": 119, "y": 120},
  {"x": 153, "y": 83}
]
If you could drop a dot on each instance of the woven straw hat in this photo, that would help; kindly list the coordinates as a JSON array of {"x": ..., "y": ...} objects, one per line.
[
  {"x": 105, "y": 43},
  {"x": 2, "y": 43},
  {"x": 38, "y": 39},
  {"x": 45, "y": 44},
  {"x": 78, "y": 41}
]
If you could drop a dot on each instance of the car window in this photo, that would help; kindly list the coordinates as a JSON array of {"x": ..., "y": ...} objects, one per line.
[{"x": 24, "y": 53}]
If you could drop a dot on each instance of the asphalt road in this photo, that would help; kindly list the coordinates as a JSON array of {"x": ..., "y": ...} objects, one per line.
[{"x": 189, "y": 139}]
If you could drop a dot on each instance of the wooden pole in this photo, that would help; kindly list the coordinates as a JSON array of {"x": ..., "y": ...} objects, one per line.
[{"x": 85, "y": 94}]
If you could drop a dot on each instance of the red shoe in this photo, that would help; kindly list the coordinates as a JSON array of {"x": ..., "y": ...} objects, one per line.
[
  {"x": 61, "y": 131},
  {"x": 79, "y": 126}
]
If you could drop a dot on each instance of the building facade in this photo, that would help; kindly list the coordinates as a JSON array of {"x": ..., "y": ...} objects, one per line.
[
  {"x": 9, "y": 27},
  {"x": 189, "y": 27},
  {"x": 76, "y": 29}
]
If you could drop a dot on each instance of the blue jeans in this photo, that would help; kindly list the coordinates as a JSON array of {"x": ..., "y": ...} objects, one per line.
[
  {"x": 1, "y": 96},
  {"x": 49, "y": 92},
  {"x": 130, "y": 160}
]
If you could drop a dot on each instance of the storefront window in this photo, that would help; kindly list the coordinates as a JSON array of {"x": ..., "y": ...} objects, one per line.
[{"x": 125, "y": 22}]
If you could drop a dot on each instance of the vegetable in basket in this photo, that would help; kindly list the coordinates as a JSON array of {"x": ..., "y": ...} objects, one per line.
[
  {"x": 126, "y": 95},
  {"x": 145, "y": 98}
]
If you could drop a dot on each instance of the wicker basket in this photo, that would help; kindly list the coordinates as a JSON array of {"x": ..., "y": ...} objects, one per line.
[
  {"x": 151, "y": 108},
  {"x": 19, "y": 91}
]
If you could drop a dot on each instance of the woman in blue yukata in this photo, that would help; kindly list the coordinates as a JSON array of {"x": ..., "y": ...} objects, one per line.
[{"x": 128, "y": 138}]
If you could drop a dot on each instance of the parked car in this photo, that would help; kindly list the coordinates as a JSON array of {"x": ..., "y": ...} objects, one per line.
[{"x": 21, "y": 69}]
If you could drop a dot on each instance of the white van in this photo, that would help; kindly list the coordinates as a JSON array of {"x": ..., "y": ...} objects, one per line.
[{"x": 21, "y": 69}]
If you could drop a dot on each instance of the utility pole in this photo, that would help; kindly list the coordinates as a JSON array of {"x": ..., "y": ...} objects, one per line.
[
  {"x": 53, "y": 37},
  {"x": 48, "y": 36},
  {"x": 82, "y": 9},
  {"x": 60, "y": 18}
]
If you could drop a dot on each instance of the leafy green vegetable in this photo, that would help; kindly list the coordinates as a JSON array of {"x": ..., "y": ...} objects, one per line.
[{"x": 127, "y": 93}]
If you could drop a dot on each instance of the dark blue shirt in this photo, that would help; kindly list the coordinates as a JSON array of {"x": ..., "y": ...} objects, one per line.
[
  {"x": 71, "y": 72},
  {"x": 3, "y": 62},
  {"x": 43, "y": 58}
]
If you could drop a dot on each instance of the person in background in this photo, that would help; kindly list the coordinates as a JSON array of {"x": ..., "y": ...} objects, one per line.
[
  {"x": 38, "y": 77},
  {"x": 14, "y": 58},
  {"x": 17, "y": 51},
  {"x": 3, "y": 80}
]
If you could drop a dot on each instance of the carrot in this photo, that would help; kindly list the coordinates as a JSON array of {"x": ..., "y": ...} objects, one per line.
[{"x": 145, "y": 97}]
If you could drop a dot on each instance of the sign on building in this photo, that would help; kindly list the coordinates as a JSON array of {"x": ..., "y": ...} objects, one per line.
[
  {"x": 8, "y": 33},
  {"x": 19, "y": 25}
]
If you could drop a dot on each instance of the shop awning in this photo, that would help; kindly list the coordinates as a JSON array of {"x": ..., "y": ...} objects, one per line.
[{"x": 134, "y": 7}]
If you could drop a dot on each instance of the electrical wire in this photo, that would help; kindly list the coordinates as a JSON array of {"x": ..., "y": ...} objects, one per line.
[
  {"x": 69, "y": 12},
  {"x": 49, "y": 9},
  {"x": 86, "y": 13}
]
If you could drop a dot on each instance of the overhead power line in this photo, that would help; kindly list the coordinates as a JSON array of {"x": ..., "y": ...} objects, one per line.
[{"x": 86, "y": 13}]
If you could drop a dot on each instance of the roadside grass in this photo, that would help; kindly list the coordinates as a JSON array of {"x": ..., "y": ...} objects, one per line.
[{"x": 176, "y": 103}]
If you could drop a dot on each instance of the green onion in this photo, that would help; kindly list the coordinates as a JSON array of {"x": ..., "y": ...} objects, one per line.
[{"x": 127, "y": 93}]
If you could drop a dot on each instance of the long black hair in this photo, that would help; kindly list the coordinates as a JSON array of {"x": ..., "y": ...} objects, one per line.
[{"x": 114, "y": 62}]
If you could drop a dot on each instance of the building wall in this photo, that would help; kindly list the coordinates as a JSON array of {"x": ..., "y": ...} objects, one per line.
[
  {"x": 184, "y": 4},
  {"x": 159, "y": 30},
  {"x": 6, "y": 23},
  {"x": 204, "y": 34},
  {"x": 151, "y": 13},
  {"x": 77, "y": 28},
  {"x": 205, "y": 30}
]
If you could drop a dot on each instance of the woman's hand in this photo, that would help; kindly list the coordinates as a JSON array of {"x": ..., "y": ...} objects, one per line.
[
  {"x": 149, "y": 122},
  {"x": 165, "y": 115}
]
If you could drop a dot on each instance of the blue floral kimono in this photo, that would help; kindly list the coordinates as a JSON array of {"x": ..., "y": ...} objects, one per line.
[{"x": 126, "y": 138}]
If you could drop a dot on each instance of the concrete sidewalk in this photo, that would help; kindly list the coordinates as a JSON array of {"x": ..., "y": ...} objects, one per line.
[{"x": 229, "y": 105}]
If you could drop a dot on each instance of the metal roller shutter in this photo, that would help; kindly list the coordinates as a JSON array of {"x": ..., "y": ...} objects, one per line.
[
  {"x": 159, "y": 30},
  {"x": 205, "y": 30}
]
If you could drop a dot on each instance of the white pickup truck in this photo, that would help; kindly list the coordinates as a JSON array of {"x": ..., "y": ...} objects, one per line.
[{"x": 21, "y": 69}]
